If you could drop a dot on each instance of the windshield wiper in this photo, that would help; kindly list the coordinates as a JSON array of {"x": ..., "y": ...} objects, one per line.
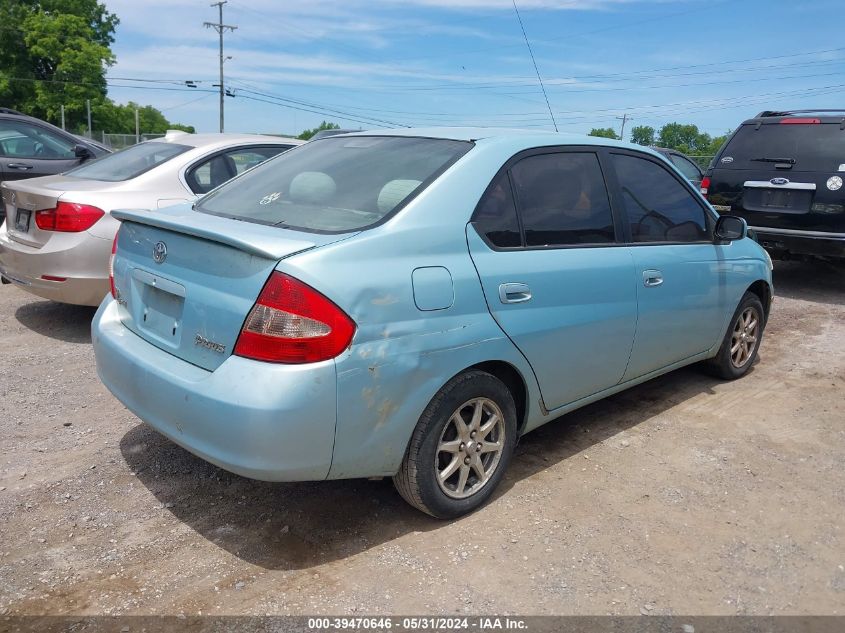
[{"x": 764, "y": 159}]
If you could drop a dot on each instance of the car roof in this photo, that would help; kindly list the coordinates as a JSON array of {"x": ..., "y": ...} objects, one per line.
[
  {"x": 210, "y": 140},
  {"x": 490, "y": 135},
  {"x": 775, "y": 116}
]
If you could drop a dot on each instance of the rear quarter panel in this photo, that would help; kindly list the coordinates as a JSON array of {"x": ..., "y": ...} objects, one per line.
[{"x": 401, "y": 356}]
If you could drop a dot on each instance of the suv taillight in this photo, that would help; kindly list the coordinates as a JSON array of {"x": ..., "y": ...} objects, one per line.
[
  {"x": 705, "y": 185},
  {"x": 293, "y": 323},
  {"x": 68, "y": 217},
  {"x": 111, "y": 267}
]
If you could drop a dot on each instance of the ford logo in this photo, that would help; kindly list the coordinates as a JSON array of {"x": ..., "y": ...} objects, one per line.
[
  {"x": 779, "y": 181},
  {"x": 159, "y": 252}
]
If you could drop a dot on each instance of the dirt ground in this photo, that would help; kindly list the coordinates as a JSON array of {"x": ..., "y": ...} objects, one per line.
[{"x": 685, "y": 495}]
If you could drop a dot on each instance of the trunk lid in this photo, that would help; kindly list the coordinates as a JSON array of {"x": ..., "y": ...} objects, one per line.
[
  {"x": 785, "y": 199},
  {"x": 187, "y": 280},
  {"x": 784, "y": 173},
  {"x": 22, "y": 198}
]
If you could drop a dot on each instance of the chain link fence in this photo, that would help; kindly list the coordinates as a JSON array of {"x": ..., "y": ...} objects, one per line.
[
  {"x": 701, "y": 161},
  {"x": 119, "y": 141}
]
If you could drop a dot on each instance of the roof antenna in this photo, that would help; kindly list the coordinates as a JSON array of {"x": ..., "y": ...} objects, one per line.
[{"x": 534, "y": 61}]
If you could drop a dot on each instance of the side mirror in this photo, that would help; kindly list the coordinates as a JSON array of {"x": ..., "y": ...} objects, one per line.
[
  {"x": 730, "y": 228},
  {"x": 82, "y": 152}
]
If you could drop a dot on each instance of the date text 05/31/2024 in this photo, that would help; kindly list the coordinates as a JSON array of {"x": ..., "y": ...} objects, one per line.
[{"x": 423, "y": 623}]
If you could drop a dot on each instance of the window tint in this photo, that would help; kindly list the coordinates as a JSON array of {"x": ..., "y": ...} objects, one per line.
[
  {"x": 686, "y": 167},
  {"x": 130, "y": 162},
  {"x": 814, "y": 147},
  {"x": 659, "y": 208},
  {"x": 495, "y": 216},
  {"x": 340, "y": 183},
  {"x": 214, "y": 171},
  {"x": 563, "y": 199},
  {"x": 23, "y": 140}
]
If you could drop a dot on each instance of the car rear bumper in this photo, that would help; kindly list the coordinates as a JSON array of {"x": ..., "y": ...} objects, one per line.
[
  {"x": 259, "y": 420},
  {"x": 801, "y": 242},
  {"x": 81, "y": 260}
]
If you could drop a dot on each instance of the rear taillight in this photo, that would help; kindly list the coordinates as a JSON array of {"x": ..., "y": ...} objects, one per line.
[
  {"x": 111, "y": 267},
  {"x": 68, "y": 217},
  {"x": 705, "y": 185},
  {"x": 293, "y": 323},
  {"x": 800, "y": 121}
]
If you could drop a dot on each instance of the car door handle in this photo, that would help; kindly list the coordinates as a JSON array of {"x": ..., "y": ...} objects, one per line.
[
  {"x": 18, "y": 166},
  {"x": 514, "y": 293},
  {"x": 652, "y": 278}
]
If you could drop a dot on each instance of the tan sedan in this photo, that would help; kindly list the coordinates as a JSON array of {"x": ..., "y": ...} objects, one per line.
[{"x": 58, "y": 234}]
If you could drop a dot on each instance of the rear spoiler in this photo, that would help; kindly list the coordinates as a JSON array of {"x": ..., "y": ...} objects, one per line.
[
  {"x": 256, "y": 239},
  {"x": 767, "y": 113}
]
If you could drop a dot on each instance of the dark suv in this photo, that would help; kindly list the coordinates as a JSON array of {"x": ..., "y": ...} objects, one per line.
[{"x": 783, "y": 172}]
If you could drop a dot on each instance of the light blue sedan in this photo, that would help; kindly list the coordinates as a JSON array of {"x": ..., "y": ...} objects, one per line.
[{"x": 409, "y": 303}]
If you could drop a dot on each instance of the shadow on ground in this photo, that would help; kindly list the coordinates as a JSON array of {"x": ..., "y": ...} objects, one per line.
[
  {"x": 60, "y": 321},
  {"x": 815, "y": 280},
  {"x": 295, "y": 526}
]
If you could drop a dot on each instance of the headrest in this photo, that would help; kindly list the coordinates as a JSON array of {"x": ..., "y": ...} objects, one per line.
[
  {"x": 395, "y": 192},
  {"x": 312, "y": 186}
]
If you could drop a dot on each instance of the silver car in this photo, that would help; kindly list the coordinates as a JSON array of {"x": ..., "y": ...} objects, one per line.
[{"x": 58, "y": 234}]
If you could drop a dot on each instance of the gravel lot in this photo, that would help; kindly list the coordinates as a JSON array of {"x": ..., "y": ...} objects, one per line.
[{"x": 685, "y": 495}]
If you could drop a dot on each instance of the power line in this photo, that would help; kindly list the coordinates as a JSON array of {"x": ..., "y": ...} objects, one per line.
[
  {"x": 285, "y": 105},
  {"x": 627, "y": 75},
  {"x": 328, "y": 109},
  {"x": 534, "y": 61}
]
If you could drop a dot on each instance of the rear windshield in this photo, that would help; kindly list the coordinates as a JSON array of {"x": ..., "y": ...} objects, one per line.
[
  {"x": 335, "y": 184},
  {"x": 814, "y": 147},
  {"x": 130, "y": 162}
]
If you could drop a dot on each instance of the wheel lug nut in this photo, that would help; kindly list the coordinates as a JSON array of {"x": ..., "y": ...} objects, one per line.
[
  {"x": 462, "y": 446},
  {"x": 472, "y": 435},
  {"x": 466, "y": 460}
]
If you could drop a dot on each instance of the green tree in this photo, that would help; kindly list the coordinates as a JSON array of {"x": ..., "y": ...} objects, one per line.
[
  {"x": 307, "y": 134},
  {"x": 120, "y": 119},
  {"x": 604, "y": 132},
  {"x": 642, "y": 135},
  {"x": 54, "y": 52},
  {"x": 685, "y": 138},
  {"x": 715, "y": 144}
]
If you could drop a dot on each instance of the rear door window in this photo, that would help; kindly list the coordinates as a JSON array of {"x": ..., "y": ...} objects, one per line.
[
  {"x": 495, "y": 216},
  {"x": 213, "y": 172},
  {"x": 658, "y": 207},
  {"x": 813, "y": 147},
  {"x": 685, "y": 166},
  {"x": 563, "y": 199}
]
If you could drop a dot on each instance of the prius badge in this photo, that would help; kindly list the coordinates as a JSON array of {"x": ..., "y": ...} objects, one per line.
[{"x": 159, "y": 252}]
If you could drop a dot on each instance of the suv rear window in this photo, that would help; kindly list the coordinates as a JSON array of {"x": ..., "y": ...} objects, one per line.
[
  {"x": 335, "y": 184},
  {"x": 129, "y": 163},
  {"x": 814, "y": 146}
]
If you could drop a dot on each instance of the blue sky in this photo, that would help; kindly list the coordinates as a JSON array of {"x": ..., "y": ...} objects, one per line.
[{"x": 386, "y": 63}]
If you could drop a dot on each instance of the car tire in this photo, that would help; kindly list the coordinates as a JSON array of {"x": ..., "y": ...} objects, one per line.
[
  {"x": 460, "y": 448},
  {"x": 742, "y": 340}
]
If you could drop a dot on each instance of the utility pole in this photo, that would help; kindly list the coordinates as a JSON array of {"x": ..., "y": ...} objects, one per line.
[
  {"x": 624, "y": 118},
  {"x": 220, "y": 27},
  {"x": 63, "y": 116},
  {"x": 137, "y": 128},
  {"x": 88, "y": 105}
]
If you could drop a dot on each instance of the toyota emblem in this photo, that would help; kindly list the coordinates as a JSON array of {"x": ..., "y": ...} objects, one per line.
[{"x": 159, "y": 252}]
